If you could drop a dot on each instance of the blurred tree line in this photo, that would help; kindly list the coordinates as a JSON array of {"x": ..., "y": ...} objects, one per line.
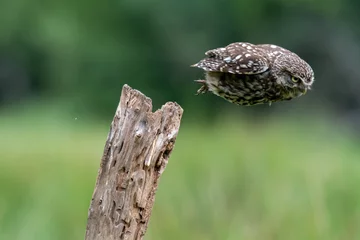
[{"x": 82, "y": 52}]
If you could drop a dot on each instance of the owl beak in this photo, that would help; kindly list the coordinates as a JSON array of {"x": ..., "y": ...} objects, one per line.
[{"x": 303, "y": 90}]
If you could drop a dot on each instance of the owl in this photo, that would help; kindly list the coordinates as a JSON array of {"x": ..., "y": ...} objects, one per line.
[{"x": 247, "y": 74}]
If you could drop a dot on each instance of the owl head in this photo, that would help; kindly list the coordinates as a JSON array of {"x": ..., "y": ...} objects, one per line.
[{"x": 293, "y": 74}]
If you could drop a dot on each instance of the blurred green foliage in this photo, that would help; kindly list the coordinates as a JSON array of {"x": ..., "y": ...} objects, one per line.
[
  {"x": 84, "y": 51},
  {"x": 289, "y": 171},
  {"x": 293, "y": 179}
]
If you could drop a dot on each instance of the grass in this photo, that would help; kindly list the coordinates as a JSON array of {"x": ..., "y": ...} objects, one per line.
[{"x": 231, "y": 180}]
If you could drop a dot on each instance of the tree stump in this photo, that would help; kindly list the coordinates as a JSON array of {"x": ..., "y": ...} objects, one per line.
[{"x": 136, "y": 153}]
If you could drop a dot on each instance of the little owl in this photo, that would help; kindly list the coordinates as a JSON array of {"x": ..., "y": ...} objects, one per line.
[{"x": 248, "y": 74}]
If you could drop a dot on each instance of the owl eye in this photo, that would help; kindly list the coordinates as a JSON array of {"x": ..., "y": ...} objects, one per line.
[{"x": 295, "y": 79}]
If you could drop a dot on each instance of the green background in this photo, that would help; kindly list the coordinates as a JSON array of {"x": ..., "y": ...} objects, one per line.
[{"x": 289, "y": 171}]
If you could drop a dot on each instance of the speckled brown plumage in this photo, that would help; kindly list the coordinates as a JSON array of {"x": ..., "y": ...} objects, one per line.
[{"x": 248, "y": 74}]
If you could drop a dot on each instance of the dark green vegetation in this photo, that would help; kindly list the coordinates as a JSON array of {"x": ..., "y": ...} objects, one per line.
[
  {"x": 286, "y": 172},
  {"x": 84, "y": 51}
]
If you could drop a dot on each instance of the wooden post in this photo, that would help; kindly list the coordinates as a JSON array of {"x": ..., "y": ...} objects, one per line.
[{"x": 135, "y": 155}]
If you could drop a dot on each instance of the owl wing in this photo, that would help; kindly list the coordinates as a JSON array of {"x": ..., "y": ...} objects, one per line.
[{"x": 239, "y": 58}]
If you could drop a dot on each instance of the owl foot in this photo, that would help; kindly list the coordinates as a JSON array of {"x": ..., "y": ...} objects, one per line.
[{"x": 203, "y": 89}]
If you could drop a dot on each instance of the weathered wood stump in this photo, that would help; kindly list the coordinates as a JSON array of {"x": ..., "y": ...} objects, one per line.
[{"x": 136, "y": 153}]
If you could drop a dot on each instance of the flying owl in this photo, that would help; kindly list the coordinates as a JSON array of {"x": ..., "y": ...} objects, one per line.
[{"x": 248, "y": 74}]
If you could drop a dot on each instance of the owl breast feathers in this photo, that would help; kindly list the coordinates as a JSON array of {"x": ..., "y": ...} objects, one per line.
[{"x": 248, "y": 74}]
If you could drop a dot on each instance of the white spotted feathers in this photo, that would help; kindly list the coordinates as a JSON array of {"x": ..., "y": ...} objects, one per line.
[{"x": 239, "y": 58}]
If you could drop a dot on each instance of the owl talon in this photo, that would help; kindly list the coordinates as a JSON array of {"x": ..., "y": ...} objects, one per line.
[{"x": 203, "y": 89}]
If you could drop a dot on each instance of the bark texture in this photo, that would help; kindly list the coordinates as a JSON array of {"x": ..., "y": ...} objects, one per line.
[{"x": 135, "y": 155}]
